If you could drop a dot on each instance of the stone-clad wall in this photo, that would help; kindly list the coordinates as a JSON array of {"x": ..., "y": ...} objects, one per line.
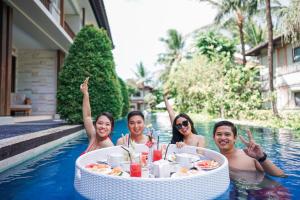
[{"x": 36, "y": 76}]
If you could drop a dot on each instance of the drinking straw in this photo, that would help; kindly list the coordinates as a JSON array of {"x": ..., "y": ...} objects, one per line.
[
  {"x": 128, "y": 153},
  {"x": 124, "y": 139},
  {"x": 128, "y": 139},
  {"x": 166, "y": 151},
  {"x": 157, "y": 142}
]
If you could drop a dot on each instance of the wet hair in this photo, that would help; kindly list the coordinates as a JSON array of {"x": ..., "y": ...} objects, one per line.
[
  {"x": 177, "y": 136},
  {"x": 109, "y": 116},
  {"x": 225, "y": 123},
  {"x": 135, "y": 113}
]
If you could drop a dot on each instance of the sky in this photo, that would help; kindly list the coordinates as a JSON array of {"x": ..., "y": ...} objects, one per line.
[{"x": 137, "y": 25}]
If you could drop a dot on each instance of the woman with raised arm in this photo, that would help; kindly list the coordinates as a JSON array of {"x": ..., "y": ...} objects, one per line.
[
  {"x": 183, "y": 130},
  {"x": 99, "y": 132}
]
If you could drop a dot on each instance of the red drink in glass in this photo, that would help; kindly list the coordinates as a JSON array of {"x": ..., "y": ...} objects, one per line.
[
  {"x": 135, "y": 170},
  {"x": 157, "y": 155},
  {"x": 144, "y": 158}
]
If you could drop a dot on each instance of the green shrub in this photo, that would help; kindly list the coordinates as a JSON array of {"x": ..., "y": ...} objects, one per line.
[
  {"x": 124, "y": 91},
  {"x": 89, "y": 56}
]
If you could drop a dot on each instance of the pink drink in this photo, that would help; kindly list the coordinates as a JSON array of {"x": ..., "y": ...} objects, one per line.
[
  {"x": 144, "y": 158},
  {"x": 135, "y": 170},
  {"x": 157, "y": 155}
]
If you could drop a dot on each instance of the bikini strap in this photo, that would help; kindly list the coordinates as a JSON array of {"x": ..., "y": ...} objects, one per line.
[{"x": 89, "y": 148}]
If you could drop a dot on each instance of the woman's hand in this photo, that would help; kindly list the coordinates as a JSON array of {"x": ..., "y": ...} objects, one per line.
[
  {"x": 84, "y": 88},
  {"x": 180, "y": 144},
  {"x": 252, "y": 149}
]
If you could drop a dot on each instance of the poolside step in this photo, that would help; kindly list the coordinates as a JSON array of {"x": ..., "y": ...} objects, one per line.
[{"x": 15, "y": 150}]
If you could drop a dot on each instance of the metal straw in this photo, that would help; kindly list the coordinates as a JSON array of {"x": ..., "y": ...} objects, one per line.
[
  {"x": 166, "y": 151},
  {"x": 128, "y": 139},
  {"x": 128, "y": 153},
  {"x": 157, "y": 142}
]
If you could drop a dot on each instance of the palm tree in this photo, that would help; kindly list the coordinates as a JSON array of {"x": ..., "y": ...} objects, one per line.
[
  {"x": 254, "y": 33},
  {"x": 237, "y": 10},
  {"x": 142, "y": 75},
  {"x": 291, "y": 22},
  {"x": 174, "y": 51},
  {"x": 270, "y": 55}
]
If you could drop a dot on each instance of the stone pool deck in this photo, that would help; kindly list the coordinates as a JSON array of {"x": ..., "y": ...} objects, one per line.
[{"x": 25, "y": 139}]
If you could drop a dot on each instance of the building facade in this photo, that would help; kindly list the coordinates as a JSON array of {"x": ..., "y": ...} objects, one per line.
[
  {"x": 35, "y": 38},
  {"x": 286, "y": 68}
]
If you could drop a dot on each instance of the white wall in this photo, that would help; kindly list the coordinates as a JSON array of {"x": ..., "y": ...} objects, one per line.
[{"x": 286, "y": 77}]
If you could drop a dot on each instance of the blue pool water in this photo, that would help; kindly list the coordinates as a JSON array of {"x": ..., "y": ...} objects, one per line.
[{"x": 51, "y": 175}]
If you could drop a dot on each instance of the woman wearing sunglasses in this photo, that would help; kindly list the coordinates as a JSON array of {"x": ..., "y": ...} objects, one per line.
[{"x": 183, "y": 130}]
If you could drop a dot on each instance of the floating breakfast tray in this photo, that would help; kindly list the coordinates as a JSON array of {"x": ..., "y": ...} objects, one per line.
[{"x": 208, "y": 185}]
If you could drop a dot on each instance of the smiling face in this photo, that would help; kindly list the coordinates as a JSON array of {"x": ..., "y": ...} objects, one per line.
[
  {"x": 181, "y": 123},
  {"x": 103, "y": 126},
  {"x": 136, "y": 125},
  {"x": 224, "y": 138}
]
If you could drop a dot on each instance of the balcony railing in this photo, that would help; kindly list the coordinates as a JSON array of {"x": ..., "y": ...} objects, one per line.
[
  {"x": 65, "y": 25},
  {"x": 69, "y": 30},
  {"x": 46, "y": 3}
]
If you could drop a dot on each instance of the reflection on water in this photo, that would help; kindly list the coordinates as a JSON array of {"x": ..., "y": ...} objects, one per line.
[{"x": 52, "y": 174}]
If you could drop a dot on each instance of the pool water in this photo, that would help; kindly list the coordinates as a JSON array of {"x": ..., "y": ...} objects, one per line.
[{"x": 51, "y": 175}]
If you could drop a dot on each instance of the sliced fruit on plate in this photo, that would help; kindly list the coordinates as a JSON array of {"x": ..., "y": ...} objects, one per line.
[
  {"x": 207, "y": 164},
  {"x": 117, "y": 171}
]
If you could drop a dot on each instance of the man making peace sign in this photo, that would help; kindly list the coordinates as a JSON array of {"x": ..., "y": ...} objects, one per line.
[{"x": 252, "y": 158}]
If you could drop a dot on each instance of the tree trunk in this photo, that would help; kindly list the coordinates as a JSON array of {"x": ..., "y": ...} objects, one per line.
[
  {"x": 270, "y": 55},
  {"x": 240, "y": 23},
  {"x": 242, "y": 43}
]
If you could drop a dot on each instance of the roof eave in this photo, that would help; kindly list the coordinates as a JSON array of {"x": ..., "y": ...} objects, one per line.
[{"x": 255, "y": 51}]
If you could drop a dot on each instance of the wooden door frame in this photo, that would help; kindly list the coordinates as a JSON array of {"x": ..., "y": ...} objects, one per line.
[{"x": 6, "y": 16}]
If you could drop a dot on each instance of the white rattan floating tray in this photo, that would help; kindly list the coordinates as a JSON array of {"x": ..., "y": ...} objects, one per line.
[{"x": 208, "y": 185}]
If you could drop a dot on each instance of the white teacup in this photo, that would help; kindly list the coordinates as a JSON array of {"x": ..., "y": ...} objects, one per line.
[
  {"x": 184, "y": 159},
  {"x": 161, "y": 168},
  {"x": 115, "y": 159},
  {"x": 125, "y": 165}
]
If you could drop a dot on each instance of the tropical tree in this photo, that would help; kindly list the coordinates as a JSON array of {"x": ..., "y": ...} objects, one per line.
[
  {"x": 254, "y": 32},
  {"x": 174, "y": 43},
  {"x": 215, "y": 46},
  {"x": 125, "y": 98},
  {"x": 234, "y": 10},
  {"x": 142, "y": 75},
  {"x": 291, "y": 22},
  {"x": 89, "y": 56},
  {"x": 270, "y": 55}
]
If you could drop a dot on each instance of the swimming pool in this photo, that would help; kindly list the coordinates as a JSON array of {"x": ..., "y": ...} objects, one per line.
[{"x": 51, "y": 175}]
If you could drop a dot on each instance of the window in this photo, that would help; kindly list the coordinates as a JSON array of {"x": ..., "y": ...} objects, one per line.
[
  {"x": 296, "y": 54},
  {"x": 297, "y": 98}
]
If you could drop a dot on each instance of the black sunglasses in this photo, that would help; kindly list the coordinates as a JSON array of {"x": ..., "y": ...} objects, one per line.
[{"x": 185, "y": 123}]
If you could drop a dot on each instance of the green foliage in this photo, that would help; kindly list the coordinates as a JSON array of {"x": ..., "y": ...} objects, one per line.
[
  {"x": 150, "y": 99},
  {"x": 215, "y": 46},
  {"x": 89, "y": 56},
  {"x": 291, "y": 22},
  {"x": 289, "y": 120},
  {"x": 158, "y": 93},
  {"x": 220, "y": 88},
  {"x": 124, "y": 91}
]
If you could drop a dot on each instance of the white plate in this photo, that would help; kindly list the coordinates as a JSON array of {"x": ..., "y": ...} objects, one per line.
[{"x": 193, "y": 157}]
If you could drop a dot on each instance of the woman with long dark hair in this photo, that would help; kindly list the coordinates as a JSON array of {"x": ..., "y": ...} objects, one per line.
[
  {"x": 99, "y": 132},
  {"x": 183, "y": 130}
]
